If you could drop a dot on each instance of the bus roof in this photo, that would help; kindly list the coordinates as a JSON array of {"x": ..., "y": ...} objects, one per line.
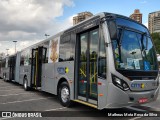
[
  {"x": 124, "y": 17},
  {"x": 99, "y": 15}
]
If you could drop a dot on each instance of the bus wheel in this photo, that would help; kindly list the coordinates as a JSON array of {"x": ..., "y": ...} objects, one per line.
[
  {"x": 64, "y": 94},
  {"x": 25, "y": 84},
  {"x": 4, "y": 77}
]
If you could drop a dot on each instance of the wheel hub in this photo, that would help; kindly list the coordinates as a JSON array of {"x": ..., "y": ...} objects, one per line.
[
  {"x": 65, "y": 94},
  {"x": 25, "y": 84}
]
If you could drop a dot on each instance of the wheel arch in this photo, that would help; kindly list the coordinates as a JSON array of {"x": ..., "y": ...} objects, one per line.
[
  {"x": 61, "y": 80},
  {"x": 25, "y": 76}
]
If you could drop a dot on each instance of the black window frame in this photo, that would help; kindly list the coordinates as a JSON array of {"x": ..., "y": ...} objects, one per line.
[
  {"x": 67, "y": 41},
  {"x": 102, "y": 39}
]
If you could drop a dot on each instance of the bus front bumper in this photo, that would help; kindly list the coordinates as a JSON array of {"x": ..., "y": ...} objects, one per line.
[{"x": 119, "y": 98}]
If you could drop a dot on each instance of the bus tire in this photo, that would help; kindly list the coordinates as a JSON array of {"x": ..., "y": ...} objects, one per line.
[
  {"x": 64, "y": 94},
  {"x": 25, "y": 84},
  {"x": 4, "y": 77}
]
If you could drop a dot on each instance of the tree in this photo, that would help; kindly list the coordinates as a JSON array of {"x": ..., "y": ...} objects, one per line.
[{"x": 156, "y": 40}]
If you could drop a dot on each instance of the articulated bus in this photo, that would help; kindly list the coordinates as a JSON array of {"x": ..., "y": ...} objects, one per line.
[{"x": 106, "y": 61}]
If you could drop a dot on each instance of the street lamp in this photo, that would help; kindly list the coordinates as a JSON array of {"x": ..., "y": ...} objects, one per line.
[
  {"x": 46, "y": 35},
  {"x": 15, "y": 45},
  {"x": 7, "y": 51}
]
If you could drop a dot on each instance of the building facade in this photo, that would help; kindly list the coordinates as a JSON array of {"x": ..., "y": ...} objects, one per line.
[
  {"x": 154, "y": 22},
  {"x": 137, "y": 16},
  {"x": 81, "y": 16}
]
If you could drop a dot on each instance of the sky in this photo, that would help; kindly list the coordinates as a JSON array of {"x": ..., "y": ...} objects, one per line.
[{"x": 27, "y": 21}]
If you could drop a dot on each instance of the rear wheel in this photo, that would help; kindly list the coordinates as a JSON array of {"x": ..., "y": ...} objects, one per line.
[
  {"x": 64, "y": 94},
  {"x": 25, "y": 84},
  {"x": 4, "y": 77}
]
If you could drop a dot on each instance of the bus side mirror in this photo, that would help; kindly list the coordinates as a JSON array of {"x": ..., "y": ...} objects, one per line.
[{"x": 112, "y": 29}]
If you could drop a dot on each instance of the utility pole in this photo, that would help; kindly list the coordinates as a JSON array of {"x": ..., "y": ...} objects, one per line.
[
  {"x": 15, "y": 45},
  {"x": 7, "y": 52}
]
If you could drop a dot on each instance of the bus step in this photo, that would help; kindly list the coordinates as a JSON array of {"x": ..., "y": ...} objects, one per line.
[
  {"x": 86, "y": 103},
  {"x": 38, "y": 88}
]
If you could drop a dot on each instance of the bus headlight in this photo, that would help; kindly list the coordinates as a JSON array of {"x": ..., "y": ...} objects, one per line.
[{"x": 120, "y": 83}]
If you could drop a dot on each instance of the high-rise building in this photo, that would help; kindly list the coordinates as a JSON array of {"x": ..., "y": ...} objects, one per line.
[
  {"x": 81, "y": 16},
  {"x": 154, "y": 22},
  {"x": 137, "y": 16}
]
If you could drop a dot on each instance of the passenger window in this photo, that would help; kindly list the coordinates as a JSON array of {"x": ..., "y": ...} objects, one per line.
[
  {"x": 45, "y": 51},
  {"x": 116, "y": 53},
  {"x": 44, "y": 58},
  {"x": 66, "y": 48},
  {"x": 22, "y": 61}
]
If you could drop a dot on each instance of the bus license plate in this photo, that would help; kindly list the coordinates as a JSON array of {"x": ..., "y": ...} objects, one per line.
[{"x": 143, "y": 100}]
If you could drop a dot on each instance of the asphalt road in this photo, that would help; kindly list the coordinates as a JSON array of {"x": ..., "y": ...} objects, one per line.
[{"x": 14, "y": 98}]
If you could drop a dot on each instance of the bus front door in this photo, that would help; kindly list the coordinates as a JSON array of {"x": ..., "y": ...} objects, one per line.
[{"x": 87, "y": 66}]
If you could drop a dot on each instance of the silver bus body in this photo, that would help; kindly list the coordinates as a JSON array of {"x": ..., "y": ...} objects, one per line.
[{"x": 88, "y": 86}]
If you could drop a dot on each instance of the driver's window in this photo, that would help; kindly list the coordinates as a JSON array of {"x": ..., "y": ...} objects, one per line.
[
  {"x": 102, "y": 67},
  {"x": 116, "y": 53}
]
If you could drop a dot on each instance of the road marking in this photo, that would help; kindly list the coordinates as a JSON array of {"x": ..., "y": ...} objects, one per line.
[
  {"x": 135, "y": 118},
  {"x": 11, "y": 89},
  {"x": 8, "y": 86},
  {"x": 56, "y": 109},
  {"x": 5, "y": 118},
  {"x": 137, "y": 109},
  {"x": 152, "y": 108},
  {"x": 14, "y": 94},
  {"x": 25, "y": 100}
]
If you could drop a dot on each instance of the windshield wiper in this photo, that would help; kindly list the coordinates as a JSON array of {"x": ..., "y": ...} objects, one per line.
[
  {"x": 146, "y": 42},
  {"x": 119, "y": 41},
  {"x": 144, "y": 45}
]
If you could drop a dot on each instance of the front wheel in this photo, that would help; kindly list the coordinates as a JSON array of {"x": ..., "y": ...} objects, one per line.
[{"x": 64, "y": 94}]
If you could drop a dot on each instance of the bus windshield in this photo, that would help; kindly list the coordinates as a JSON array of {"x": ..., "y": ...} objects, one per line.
[{"x": 134, "y": 51}]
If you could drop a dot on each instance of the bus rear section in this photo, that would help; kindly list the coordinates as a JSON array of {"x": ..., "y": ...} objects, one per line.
[
  {"x": 8, "y": 68},
  {"x": 5, "y": 69},
  {"x": 1, "y": 73}
]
